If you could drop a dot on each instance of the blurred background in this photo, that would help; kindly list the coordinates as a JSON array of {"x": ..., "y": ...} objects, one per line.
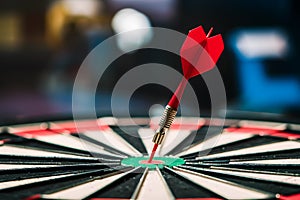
[{"x": 43, "y": 43}]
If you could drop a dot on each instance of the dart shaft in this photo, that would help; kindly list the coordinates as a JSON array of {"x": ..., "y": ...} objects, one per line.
[{"x": 175, "y": 100}]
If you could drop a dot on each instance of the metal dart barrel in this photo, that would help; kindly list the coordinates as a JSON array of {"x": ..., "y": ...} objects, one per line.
[{"x": 164, "y": 124}]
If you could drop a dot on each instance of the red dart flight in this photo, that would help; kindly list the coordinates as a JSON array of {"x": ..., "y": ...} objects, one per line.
[{"x": 199, "y": 53}]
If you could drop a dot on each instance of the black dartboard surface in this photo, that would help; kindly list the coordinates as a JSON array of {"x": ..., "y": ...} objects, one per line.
[{"x": 238, "y": 159}]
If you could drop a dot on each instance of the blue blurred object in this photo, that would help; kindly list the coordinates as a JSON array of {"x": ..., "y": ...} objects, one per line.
[{"x": 258, "y": 89}]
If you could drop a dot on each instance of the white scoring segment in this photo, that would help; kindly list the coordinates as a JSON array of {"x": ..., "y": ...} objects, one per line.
[
  {"x": 154, "y": 187},
  {"x": 18, "y": 151},
  {"x": 172, "y": 139},
  {"x": 218, "y": 140},
  {"x": 86, "y": 189},
  {"x": 70, "y": 141},
  {"x": 293, "y": 180},
  {"x": 146, "y": 135},
  {"x": 21, "y": 166},
  {"x": 109, "y": 137},
  {"x": 10, "y": 184},
  {"x": 226, "y": 189},
  {"x": 268, "y": 162},
  {"x": 262, "y": 124},
  {"x": 278, "y": 146},
  {"x": 4, "y": 167}
]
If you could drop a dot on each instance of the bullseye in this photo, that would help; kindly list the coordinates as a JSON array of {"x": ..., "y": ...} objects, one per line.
[
  {"x": 159, "y": 162},
  {"x": 155, "y": 162}
]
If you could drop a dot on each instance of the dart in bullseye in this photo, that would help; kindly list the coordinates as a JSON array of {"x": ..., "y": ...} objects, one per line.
[{"x": 199, "y": 53}]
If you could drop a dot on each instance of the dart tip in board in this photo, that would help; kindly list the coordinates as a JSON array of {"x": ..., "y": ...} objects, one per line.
[{"x": 153, "y": 152}]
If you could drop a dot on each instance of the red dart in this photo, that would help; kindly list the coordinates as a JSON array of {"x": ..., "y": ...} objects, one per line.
[
  {"x": 199, "y": 53},
  {"x": 202, "y": 53}
]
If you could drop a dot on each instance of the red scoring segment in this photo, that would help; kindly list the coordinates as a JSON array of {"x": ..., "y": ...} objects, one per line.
[{"x": 199, "y": 53}]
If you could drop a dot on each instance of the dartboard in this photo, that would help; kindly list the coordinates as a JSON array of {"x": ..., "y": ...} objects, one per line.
[{"x": 200, "y": 158}]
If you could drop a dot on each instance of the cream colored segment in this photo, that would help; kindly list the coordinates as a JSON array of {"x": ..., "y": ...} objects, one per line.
[
  {"x": 154, "y": 187},
  {"x": 146, "y": 135},
  {"x": 172, "y": 139},
  {"x": 223, "y": 188},
  {"x": 269, "y": 162},
  {"x": 111, "y": 121},
  {"x": 84, "y": 190},
  {"x": 114, "y": 140},
  {"x": 293, "y": 180},
  {"x": 27, "y": 166},
  {"x": 17, "y": 151},
  {"x": 132, "y": 121},
  {"x": 10, "y": 184},
  {"x": 262, "y": 124},
  {"x": 139, "y": 185},
  {"x": 21, "y": 166},
  {"x": 74, "y": 143},
  {"x": 278, "y": 146},
  {"x": 294, "y": 127},
  {"x": 224, "y": 138},
  {"x": 27, "y": 127}
]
